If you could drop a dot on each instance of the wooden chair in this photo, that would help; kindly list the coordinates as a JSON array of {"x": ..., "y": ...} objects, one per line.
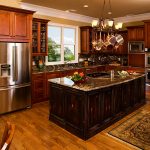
[{"x": 7, "y": 136}]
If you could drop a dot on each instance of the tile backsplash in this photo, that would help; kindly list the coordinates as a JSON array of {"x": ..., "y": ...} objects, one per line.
[{"x": 38, "y": 62}]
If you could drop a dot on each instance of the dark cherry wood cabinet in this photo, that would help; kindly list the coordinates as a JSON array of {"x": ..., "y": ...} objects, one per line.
[
  {"x": 86, "y": 39},
  {"x": 85, "y": 113},
  {"x": 136, "y": 33},
  {"x": 136, "y": 59},
  {"x": 39, "y": 37},
  {"x": 38, "y": 88},
  {"x": 147, "y": 33},
  {"x": 15, "y": 25}
]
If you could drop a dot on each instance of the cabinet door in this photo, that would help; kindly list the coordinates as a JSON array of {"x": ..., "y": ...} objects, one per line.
[
  {"x": 38, "y": 88},
  {"x": 106, "y": 105},
  {"x": 57, "y": 103},
  {"x": 94, "y": 108},
  {"x": 74, "y": 109},
  {"x": 136, "y": 60},
  {"x": 39, "y": 37},
  {"x": 140, "y": 34},
  {"x": 5, "y": 24},
  {"x": 147, "y": 35},
  {"x": 117, "y": 100},
  {"x": 126, "y": 98},
  {"x": 86, "y": 39},
  {"x": 21, "y": 26},
  {"x": 132, "y": 34}
]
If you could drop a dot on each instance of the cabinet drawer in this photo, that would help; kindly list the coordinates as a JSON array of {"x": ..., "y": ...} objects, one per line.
[
  {"x": 39, "y": 94},
  {"x": 39, "y": 84},
  {"x": 38, "y": 76}
]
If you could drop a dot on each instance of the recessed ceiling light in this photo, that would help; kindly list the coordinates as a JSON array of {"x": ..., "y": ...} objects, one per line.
[
  {"x": 73, "y": 10},
  {"x": 85, "y": 6},
  {"x": 66, "y": 10},
  {"x": 70, "y": 10}
]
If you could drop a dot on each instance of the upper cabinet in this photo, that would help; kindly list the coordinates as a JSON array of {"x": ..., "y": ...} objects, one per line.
[
  {"x": 15, "y": 24},
  {"x": 136, "y": 33},
  {"x": 86, "y": 39},
  {"x": 147, "y": 33},
  {"x": 39, "y": 37}
]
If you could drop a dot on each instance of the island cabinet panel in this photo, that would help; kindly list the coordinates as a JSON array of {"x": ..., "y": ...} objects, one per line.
[
  {"x": 117, "y": 100},
  {"x": 85, "y": 113},
  {"x": 74, "y": 111},
  {"x": 94, "y": 111},
  {"x": 126, "y": 96},
  {"x": 50, "y": 75},
  {"x": 106, "y": 102},
  {"x": 57, "y": 104}
]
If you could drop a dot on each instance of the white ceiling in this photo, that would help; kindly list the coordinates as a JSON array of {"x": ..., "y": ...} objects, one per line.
[{"x": 120, "y": 8}]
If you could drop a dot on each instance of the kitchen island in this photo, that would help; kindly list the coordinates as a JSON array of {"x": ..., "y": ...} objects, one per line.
[{"x": 86, "y": 109}]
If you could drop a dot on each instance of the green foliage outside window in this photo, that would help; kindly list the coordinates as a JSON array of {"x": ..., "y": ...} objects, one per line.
[{"x": 53, "y": 54}]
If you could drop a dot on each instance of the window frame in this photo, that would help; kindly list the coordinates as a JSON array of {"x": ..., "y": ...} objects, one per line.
[{"x": 62, "y": 44}]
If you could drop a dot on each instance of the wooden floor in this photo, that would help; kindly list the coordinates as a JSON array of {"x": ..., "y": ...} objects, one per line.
[{"x": 35, "y": 132}]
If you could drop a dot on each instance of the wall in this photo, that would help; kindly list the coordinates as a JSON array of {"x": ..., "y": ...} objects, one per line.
[{"x": 11, "y": 3}]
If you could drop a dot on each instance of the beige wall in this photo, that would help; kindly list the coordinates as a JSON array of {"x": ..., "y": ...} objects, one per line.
[{"x": 11, "y": 3}]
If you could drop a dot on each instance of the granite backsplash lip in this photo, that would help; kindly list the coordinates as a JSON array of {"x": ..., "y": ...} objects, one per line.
[{"x": 47, "y": 70}]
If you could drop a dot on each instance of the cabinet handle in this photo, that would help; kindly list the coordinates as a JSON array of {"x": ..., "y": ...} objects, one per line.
[{"x": 72, "y": 105}]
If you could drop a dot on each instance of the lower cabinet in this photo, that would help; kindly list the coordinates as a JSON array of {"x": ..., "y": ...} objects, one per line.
[
  {"x": 38, "y": 87},
  {"x": 85, "y": 113}
]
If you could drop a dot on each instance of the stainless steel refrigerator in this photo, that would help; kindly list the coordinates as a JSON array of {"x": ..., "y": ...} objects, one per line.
[{"x": 15, "y": 92}]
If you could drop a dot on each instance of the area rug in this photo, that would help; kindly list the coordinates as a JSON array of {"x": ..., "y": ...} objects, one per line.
[{"x": 135, "y": 130}]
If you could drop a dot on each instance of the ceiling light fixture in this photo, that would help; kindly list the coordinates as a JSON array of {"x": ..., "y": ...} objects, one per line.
[
  {"x": 105, "y": 32},
  {"x": 85, "y": 6}
]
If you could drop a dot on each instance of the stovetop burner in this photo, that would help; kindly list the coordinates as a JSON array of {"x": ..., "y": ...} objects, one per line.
[{"x": 98, "y": 74}]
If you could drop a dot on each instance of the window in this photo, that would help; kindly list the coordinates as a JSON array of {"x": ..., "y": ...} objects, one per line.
[{"x": 62, "y": 44}]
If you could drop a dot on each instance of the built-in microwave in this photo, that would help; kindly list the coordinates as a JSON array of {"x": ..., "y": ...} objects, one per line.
[{"x": 136, "y": 47}]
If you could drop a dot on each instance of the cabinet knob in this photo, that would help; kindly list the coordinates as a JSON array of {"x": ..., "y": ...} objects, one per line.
[{"x": 72, "y": 105}]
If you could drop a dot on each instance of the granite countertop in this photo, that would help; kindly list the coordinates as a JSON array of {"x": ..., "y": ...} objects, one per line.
[{"x": 95, "y": 83}]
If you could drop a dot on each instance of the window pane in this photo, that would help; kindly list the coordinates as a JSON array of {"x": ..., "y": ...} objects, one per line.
[
  {"x": 69, "y": 52},
  {"x": 69, "y": 36},
  {"x": 54, "y": 52},
  {"x": 54, "y": 33}
]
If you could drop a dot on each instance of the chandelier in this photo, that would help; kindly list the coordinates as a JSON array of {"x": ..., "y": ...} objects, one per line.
[{"x": 105, "y": 32}]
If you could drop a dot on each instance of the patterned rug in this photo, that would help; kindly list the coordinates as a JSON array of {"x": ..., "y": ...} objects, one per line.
[{"x": 135, "y": 130}]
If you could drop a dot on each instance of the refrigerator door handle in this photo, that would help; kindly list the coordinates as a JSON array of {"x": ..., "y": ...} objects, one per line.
[
  {"x": 16, "y": 63},
  {"x": 13, "y": 63}
]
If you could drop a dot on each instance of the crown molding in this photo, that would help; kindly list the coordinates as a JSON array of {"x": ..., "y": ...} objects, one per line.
[
  {"x": 77, "y": 17},
  {"x": 56, "y": 13},
  {"x": 133, "y": 18}
]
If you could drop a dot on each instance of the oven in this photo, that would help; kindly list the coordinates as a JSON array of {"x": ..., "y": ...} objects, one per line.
[
  {"x": 147, "y": 60},
  {"x": 147, "y": 72}
]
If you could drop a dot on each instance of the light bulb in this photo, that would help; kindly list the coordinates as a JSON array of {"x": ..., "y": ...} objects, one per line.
[
  {"x": 110, "y": 23},
  {"x": 94, "y": 23}
]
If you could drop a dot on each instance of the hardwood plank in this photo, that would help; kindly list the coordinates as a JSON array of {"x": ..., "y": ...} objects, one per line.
[{"x": 35, "y": 131}]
